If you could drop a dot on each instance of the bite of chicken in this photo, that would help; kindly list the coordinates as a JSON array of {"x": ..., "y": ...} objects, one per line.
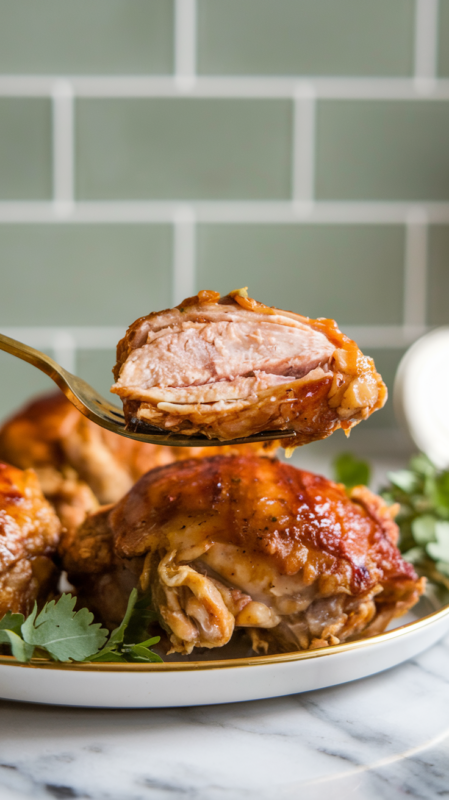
[
  {"x": 231, "y": 367},
  {"x": 246, "y": 542}
]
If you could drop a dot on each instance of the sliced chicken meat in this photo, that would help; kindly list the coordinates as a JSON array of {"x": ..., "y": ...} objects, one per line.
[{"x": 232, "y": 367}]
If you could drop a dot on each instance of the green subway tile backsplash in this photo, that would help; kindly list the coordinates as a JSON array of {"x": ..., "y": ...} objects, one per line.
[
  {"x": 83, "y": 274},
  {"x": 338, "y": 271},
  {"x": 382, "y": 150},
  {"x": 145, "y": 132},
  {"x": 443, "y": 39},
  {"x": 86, "y": 36},
  {"x": 306, "y": 37},
  {"x": 25, "y": 148},
  {"x": 184, "y": 149},
  {"x": 438, "y": 296}
]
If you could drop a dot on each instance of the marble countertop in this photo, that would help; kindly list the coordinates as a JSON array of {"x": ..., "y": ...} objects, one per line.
[{"x": 382, "y": 737}]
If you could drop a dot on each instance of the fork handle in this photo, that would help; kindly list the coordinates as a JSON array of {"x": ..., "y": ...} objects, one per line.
[{"x": 34, "y": 357}]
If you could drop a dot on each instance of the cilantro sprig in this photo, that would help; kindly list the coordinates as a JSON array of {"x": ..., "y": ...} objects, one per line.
[
  {"x": 351, "y": 471},
  {"x": 64, "y": 634},
  {"x": 422, "y": 492}
]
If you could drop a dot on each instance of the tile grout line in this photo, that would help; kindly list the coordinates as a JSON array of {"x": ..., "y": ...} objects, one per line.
[
  {"x": 225, "y": 212},
  {"x": 183, "y": 217},
  {"x": 416, "y": 268},
  {"x": 64, "y": 350},
  {"x": 303, "y": 156},
  {"x": 184, "y": 254},
  {"x": 186, "y": 80},
  {"x": 426, "y": 45},
  {"x": 63, "y": 148},
  {"x": 185, "y": 55},
  {"x": 63, "y": 344}
]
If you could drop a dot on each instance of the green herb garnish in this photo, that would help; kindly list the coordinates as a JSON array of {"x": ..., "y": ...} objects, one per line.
[
  {"x": 125, "y": 642},
  {"x": 422, "y": 492},
  {"x": 350, "y": 471},
  {"x": 67, "y": 635}
]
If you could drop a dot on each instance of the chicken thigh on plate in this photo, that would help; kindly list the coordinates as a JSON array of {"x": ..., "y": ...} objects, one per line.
[
  {"x": 231, "y": 367},
  {"x": 246, "y": 542},
  {"x": 29, "y": 534}
]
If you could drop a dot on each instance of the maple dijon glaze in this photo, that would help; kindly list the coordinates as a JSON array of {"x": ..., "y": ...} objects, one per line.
[
  {"x": 246, "y": 542},
  {"x": 231, "y": 367}
]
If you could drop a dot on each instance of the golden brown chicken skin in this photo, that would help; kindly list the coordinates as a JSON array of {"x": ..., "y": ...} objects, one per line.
[
  {"x": 246, "y": 542},
  {"x": 29, "y": 534},
  {"x": 80, "y": 465},
  {"x": 232, "y": 367}
]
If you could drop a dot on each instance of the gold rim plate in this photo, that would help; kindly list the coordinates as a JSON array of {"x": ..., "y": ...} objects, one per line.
[{"x": 250, "y": 661}]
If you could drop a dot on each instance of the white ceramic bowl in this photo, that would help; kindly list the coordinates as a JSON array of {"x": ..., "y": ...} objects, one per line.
[{"x": 421, "y": 395}]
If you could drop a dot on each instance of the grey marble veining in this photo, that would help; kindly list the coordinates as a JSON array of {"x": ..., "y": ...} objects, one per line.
[{"x": 382, "y": 737}]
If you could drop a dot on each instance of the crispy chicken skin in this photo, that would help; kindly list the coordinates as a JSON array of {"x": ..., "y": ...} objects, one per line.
[
  {"x": 29, "y": 534},
  {"x": 249, "y": 542},
  {"x": 80, "y": 465},
  {"x": 231, "y": 367}
]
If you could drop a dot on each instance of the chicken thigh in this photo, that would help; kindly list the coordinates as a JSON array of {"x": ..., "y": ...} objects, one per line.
[
  {"x": 29, "y": 534},
  {"x": 246, "y": 542}
]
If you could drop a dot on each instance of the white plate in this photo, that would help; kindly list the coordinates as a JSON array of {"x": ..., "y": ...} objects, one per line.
[
  {"x": 420, "y": 395},
  {"x": 190, "y": 683}
]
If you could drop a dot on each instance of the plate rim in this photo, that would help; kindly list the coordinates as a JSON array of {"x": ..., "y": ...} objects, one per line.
[{"x": 231, "y": 663}]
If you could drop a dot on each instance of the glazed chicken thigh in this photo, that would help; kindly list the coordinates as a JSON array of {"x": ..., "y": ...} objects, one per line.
[
  {"x": 246, "y": 542},
  {"x": 29, "y": 534},
  {"x": 232, "y": 367}
]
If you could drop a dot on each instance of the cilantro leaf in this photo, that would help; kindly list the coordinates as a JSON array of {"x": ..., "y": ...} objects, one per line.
[
  {"x": 138, "y": 652},
  {"x": 443, "y": 567},
  {"x": 350, "y": 471},
  {"x": 422, "y": 465},
  {"x": 414, "y": 555},
  {"x": 118, "y": 634},
  {"x": 10, "y": 633},
  {"x": 68, "y": 635},
  {"x": 126, "y": 642},
  {"x": 141, "y": 618},
  {"x": 20, "y": 649},
  {"x": 423, "y": 494},
  {"x": 64, "y": 633},
  {"x": 12, "y": 622},
  {"x": 439, "y": 550},
  {"x": 441, "y": 495},
  {"x": 423, "y": 529},
  {"x": 108, "y": 656},
  {"x": 405, "y": 480}
]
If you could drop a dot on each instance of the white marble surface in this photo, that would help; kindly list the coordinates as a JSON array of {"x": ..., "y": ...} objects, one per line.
[{"x": 383, "y": 737}]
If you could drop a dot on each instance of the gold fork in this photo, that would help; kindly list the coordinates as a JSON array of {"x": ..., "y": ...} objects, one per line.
[{"x": 105, "y": 414}]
